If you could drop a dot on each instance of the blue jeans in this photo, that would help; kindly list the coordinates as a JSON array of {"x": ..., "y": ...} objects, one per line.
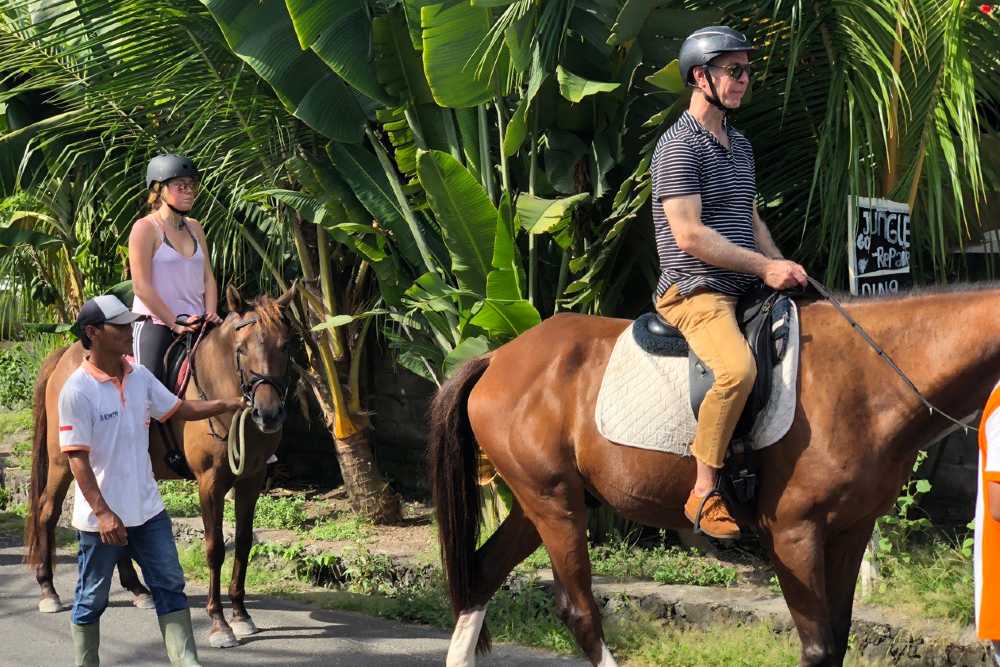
[{"x": 152, "y": 546}]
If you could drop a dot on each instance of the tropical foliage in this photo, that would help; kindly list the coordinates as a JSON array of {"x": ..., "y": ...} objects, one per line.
[{"x": 443, "y": 175}]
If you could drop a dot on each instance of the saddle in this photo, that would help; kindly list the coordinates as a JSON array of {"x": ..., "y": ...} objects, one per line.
[
  {"x": 177, "y": 365},
  {"x": 764, "y": 317}
]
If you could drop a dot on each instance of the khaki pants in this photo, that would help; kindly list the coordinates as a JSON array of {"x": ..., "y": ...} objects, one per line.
[{"x": 708, "y": 322}]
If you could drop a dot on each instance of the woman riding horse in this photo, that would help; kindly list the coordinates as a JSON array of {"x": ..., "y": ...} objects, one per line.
[{"x": 169, "y": 262}]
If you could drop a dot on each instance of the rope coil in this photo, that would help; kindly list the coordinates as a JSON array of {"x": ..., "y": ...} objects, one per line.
[{"x": 236, "y": 442}]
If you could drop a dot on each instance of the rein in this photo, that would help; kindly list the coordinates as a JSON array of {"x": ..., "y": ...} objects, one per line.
[{"x": 826, "y": 294}]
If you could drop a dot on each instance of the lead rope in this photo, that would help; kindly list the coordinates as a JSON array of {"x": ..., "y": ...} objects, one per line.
[
  {"x": 236, "y": 442},
  {"x": 826, "y": 294}
]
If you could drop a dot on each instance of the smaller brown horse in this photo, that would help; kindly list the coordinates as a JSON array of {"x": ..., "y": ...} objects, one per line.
[
  {"x": 246, "y": 354},
  {"x": 530, "y": 407}
]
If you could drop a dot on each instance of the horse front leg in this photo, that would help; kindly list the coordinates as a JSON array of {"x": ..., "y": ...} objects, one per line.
[
  {"x": 843, "y": 560},
  {"x": 798, "y": 554},
  {"x": 129, "y": 579},
  {"x": 212, "y": 492},
  {"x": 247, "y": 492}
]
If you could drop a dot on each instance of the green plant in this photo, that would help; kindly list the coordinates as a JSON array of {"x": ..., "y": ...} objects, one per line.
[
  {"x": 180, "y": 498},
  {"x": 21, "y": 452},
  {"x": 622, "y": 557},
  {"x": 933, "y": 580},
  {"x": 272, "y": 512},
  {"x": 18, "y": 421},
  {"x": 679, "y": 567},
  {"x": 4, "y": 498},
  {"x": 895, "y": 530},
  {"x": 17, "y": 377},
  {"x": 350, "y": 527}
]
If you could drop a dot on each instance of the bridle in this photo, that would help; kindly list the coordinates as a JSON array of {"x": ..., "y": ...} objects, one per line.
[
  {"x": 250, "y": 386},
  {"x": 250, "y": 380}
]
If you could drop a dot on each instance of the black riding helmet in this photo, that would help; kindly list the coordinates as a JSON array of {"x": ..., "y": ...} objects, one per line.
[
  {"x": 702, "y": 46},
  {"x": 164, "y": 167}
]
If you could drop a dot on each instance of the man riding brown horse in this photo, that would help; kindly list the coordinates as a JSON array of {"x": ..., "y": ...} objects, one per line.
[{"x": 713, "y": 247}]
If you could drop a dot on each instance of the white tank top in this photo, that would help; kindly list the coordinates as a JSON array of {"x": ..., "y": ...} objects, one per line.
[{"x": 179, "y": 280}]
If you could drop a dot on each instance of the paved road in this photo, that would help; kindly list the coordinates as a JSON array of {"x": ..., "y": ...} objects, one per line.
[{"x": 291, "y": 634}]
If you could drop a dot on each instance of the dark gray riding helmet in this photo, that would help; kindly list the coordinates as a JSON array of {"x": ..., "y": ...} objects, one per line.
[
  {"x": 706, "y": 43},
  {"x": 164, "y": 167}
]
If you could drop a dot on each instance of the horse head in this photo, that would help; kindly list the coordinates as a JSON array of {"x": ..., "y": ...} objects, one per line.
[{"x": 260, "y": 334}]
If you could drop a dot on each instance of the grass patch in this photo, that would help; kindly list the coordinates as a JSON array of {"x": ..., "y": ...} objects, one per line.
[
  {"x": 21, "y": 455},
  {"x": 284, "y": 512},
  {"x": 16, "y": 421},
  {"x": 347, "y": 527},
  {"x": 932, "y": 580},
  {"x": 643, "y": 641},
  {"x": 180, "y": 497},
  {"x": 268, "y": 575},
  {"x": 666, "y": 565}
]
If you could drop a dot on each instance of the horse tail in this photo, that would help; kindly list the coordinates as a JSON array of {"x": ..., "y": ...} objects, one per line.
[
  {"x": 39, "y": 458},
  {"x": 454, "y": 480}
]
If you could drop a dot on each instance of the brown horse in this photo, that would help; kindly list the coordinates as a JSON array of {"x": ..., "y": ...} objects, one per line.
[
  {"x": 857, "y": 428},
  {"x": 246, "y": 354}
]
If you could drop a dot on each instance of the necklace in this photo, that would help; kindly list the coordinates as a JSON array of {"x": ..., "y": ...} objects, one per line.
[{"x": 179, "y": 225}]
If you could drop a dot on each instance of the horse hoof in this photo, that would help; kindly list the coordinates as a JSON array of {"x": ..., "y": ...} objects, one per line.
[
  {"x": 144, "y": 601},
  {"x": 50, "y": 605},
  {"x": 243, "y": 628},
  {"x": 223, "y": 640}
]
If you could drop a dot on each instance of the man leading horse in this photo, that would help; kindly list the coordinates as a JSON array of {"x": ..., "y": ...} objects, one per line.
[
  {"x": 104, "y": 412},
  {"x": 713, "y": 247}
]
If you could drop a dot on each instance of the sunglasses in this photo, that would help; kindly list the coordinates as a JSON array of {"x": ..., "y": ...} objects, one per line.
[
  {"x": 736, "y": 71},
  {"x": 183, "y": 186}
]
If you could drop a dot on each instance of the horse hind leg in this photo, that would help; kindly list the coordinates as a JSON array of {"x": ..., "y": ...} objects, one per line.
[
  {"x": 49, "y": 509},
  {"x": 129, "y": 579},
  {"x": 511, "y": 543},
  {"x": 563, "y": 528}
]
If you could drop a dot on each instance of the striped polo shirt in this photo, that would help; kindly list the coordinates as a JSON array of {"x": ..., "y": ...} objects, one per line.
[{"x": 689, "y": 160}]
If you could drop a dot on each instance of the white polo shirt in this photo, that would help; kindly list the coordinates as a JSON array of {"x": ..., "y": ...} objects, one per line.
[{"x": 110, "y": 419}]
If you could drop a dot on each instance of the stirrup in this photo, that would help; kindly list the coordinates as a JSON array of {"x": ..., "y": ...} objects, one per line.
[{"x": 701, "y": 505}]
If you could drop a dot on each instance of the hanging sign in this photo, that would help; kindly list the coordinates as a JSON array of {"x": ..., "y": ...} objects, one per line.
[{"x": 878, "y": 246}]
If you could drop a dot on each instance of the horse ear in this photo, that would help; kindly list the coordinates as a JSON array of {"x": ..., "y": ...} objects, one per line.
[
  {"x": 286, "y": 298},
  {"x": 234, "y": 300}
]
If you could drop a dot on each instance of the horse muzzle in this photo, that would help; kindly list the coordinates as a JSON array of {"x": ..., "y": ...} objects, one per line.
[{"x": 268, "y": 420}]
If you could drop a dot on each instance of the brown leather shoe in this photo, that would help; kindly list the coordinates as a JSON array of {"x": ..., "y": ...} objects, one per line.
[{"x": 716, "y": 521}]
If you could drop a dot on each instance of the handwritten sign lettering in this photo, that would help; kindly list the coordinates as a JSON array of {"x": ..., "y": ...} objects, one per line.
[{"x": 878, "y": 246}]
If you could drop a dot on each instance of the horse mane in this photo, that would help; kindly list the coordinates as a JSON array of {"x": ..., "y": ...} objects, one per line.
[
  {"x": 914, "y": 293},
  {"x": 268, "y": 312}
]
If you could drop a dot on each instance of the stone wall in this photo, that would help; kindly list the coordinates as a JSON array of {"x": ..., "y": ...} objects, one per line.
[
  {"x": 399, "y": 401},
  {"x": 951, "y": 467}
]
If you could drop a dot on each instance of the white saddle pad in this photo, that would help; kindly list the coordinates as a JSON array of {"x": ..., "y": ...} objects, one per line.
[{"x": 645, "y": 400}]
